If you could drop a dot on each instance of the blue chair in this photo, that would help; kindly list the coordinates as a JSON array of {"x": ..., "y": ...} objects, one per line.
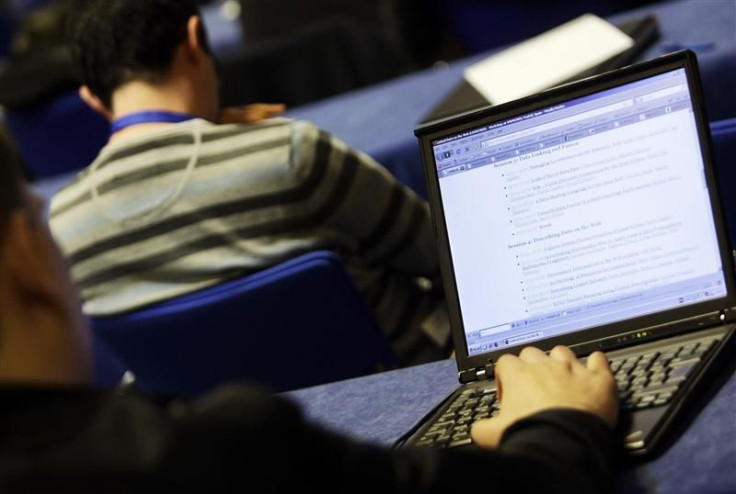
[
  {"x": 297, "y": 324},
  {"x": 58, "y": 135},
  {"x": 723, "y": 134},
  {"x": 109, "y": 369}
]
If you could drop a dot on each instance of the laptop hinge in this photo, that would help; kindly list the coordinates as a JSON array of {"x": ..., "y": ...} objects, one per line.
[{"x": 477, "y": 373}]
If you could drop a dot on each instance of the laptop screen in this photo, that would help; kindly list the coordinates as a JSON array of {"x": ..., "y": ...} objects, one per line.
[{"x": 586, "y": 213}]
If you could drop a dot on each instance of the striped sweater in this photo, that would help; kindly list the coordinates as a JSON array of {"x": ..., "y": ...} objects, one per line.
[{"x": 194, "y": 204}]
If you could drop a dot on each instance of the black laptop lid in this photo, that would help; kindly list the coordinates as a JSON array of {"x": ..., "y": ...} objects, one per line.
[{"x": 585, "y": 214}]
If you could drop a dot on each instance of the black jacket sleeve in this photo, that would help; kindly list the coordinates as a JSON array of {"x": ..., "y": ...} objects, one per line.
[{"x": 240, "y": 439}]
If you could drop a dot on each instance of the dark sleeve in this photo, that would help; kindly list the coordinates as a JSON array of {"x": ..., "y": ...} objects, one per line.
[
  {"x": 575, "y": 448},
  {"x": 239, "y": 438}
]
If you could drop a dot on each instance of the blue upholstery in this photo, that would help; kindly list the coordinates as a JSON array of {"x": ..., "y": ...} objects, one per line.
[
  {"x": 57, "y": 136},
  {"x": 294, "y": 325},
  {"x": 109, "y": 369},
  {"x": 723, "y": 134}
]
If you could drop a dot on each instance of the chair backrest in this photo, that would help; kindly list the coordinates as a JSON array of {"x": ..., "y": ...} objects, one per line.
[
  {"x": 294, "y": 325},
  {"x": 109, "y": 369},
  {"x": 58, "y": 135}
]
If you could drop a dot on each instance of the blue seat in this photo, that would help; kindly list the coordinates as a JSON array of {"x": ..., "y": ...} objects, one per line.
[
  {"x": 294, "y": 325},
  {"x": 723, "y": 134},
  {"x": 58, "y": 135},
  {"x": 109, "y": 369}
]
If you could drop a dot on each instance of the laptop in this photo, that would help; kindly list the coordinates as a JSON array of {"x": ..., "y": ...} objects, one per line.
[{"x": 586, "y": 215}]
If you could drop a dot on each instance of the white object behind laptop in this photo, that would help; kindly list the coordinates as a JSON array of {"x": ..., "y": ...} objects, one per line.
[{"x": 548, "y": 59}]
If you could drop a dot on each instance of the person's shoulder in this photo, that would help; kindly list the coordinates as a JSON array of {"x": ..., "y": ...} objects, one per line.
[
  {"x": 306, "y": 132},
  {"x": 73, "y": 189},
  {"x": 271, "y": 125},
  {"x": 301, "y": 133}
]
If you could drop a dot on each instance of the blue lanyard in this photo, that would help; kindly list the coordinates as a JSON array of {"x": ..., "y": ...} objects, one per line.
[{"x": 145, "y": 117}]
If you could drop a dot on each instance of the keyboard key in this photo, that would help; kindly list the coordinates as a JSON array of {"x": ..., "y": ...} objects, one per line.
[
  {"x": 687, "y": 349},
  {"x": 460, "y": 436},
  {"x": 660, "y": 401},
  {"x": 675, "y": 380},
  {"x": 660, "y": 374},
  {"x": 654, "y": 391},
  {"x": 623, "y": 381},
  {"x": 656, "y": 382},
  {"x": 461, "y": 430},
  {"x": 643, "y": 404},
  {"x": 648, "y": 358},
  {"x": 443, "y": 425},
  {"x": 683, "y": 369},
  {"x": 677, "y": 361},
  {"x": 707, "y": 345},
  {"x": 665, "y": 396},
  {"x": 461, "y": 442},
  {"x": 627, "y": 368},
  {"x": 444, "y": 439},
  {"x": 634, "y": 388}
]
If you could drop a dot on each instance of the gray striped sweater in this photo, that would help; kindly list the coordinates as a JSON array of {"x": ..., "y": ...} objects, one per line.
[{"x": 194, "y": 204}]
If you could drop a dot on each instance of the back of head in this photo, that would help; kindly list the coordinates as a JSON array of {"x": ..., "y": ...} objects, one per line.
[{"x": 117, "y": 41}]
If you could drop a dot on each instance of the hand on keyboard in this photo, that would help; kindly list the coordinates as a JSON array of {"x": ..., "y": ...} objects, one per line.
[{"x": 533, "y": 382}]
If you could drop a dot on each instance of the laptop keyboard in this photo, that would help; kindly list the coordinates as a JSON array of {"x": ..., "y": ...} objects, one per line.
[
  {"x": 452, "y": 428},
  {"x": 652, "y": 379},
  {"x": 646, "y": 380}
]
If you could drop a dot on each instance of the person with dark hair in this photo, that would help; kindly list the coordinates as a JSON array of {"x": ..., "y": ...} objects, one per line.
[
  {"x": 553, "y": 433},
  {"x": 178, "y": 201}
]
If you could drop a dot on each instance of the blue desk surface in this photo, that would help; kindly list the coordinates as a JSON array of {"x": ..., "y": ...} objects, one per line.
[
  {"x": 380, "y": 120},
  {"x": 381, "y": 407}
]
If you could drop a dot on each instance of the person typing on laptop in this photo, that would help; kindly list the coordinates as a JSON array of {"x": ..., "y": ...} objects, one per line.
[{"x": 59, "y": 434}]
